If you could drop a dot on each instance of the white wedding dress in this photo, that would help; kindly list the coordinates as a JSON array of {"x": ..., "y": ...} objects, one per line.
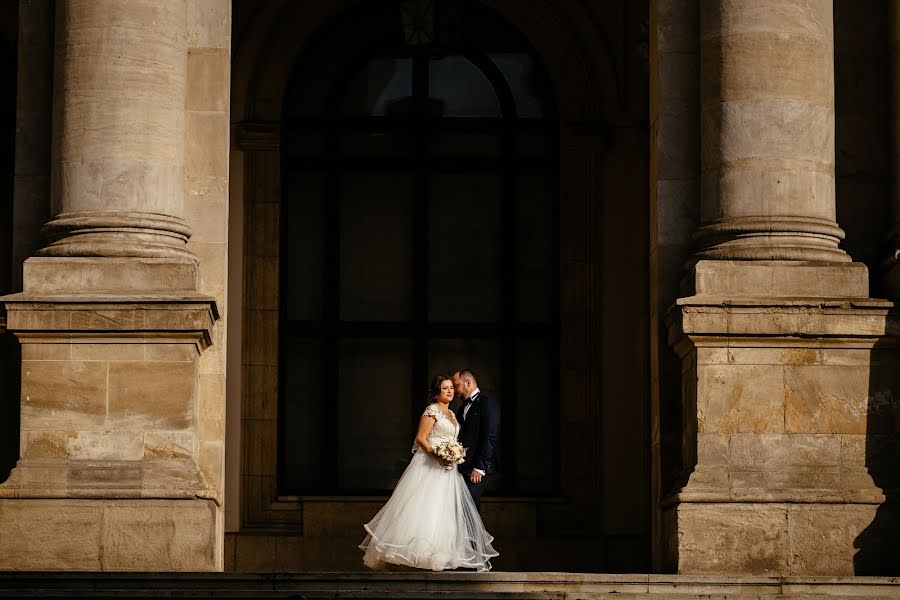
[{"x": 430, "y": 521}]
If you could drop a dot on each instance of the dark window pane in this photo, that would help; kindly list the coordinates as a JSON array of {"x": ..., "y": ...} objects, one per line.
[
  {"x": 447, "y": 144},
  {"x": 481, "y": 356},
  {"x": 304, "y": 430},
  {"x": 361, "y": 143},
  {"x": 535, "y": 256},
  {"x": 300, "y": 145},
  {"x": 464, "y": 248},
  {"x": 382, "y": 87},
  {"x": 305, "y": 246},
  {"x": 524, "y": 82},
  {"x": 374, "y": 424},
  {"x": 462, "y": 88},
  {"x": 537, "y": 144},
  {"x": 536, "y": 407},
  {"x": 376, "y": 251}
]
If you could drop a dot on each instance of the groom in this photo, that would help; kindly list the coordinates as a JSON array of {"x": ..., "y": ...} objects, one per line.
[{"x": 479, "y": 419}]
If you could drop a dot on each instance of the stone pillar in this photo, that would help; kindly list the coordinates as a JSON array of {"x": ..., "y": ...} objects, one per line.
[
  {"x": 767, "y": 125},
  {"x": 891, "y": 276},
  {"x": 788, "y": 367},
  {"x": 118, "y": 152},
  {"x": 110, "y": 319}
]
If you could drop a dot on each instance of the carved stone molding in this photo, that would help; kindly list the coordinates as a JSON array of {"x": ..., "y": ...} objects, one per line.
[{"x": 258, "y": 136}]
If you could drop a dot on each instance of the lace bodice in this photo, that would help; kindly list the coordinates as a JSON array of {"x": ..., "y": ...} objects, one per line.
[{"x": 445, "y": 428}]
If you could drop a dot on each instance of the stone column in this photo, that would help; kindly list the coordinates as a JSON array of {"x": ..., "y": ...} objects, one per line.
[
  {"x": 118, "y": 150},
  {"x": 767, "y": 125},
  {"x": 786, "y": 362},
  {"x": 110, "y": 319},
  {"x": 891, "y": 277}
]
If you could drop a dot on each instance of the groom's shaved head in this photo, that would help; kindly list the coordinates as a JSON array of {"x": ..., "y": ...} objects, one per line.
[{"x": 466, "y": 374}]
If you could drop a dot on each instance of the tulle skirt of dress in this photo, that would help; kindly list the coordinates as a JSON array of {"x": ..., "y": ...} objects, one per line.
[{"x": 430, "y": 522}]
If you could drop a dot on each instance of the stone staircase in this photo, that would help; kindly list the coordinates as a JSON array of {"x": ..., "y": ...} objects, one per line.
[{"x": 449, "y": 586}]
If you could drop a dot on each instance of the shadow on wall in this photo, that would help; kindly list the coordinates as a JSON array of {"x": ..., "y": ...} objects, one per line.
[
  {"x": 10, "y": 355},
  {"x": 10, "y": 385},
  {"x": 878, "y": 545}
]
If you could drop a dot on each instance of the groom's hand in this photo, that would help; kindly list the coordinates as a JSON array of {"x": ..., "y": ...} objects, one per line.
[{"x": 475, "y": 477}]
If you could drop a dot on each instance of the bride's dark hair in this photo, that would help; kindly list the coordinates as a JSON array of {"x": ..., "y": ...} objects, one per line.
[{"x": 435, "y": 389}]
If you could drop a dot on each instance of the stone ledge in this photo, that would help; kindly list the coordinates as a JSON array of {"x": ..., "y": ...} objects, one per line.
[
  {"x": 779, "y": 279},
  {"x": 714, "y": 320},
  {"x": 69, "y": 274},
  {"x": 107, "y": 479},
  {"x": 118, "y": 314},
  {"x": 451, "y": 585}
]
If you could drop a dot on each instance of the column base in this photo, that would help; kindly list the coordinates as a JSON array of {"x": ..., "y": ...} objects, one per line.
[
  {"x": 783, "y": 538},
  {"x": 113, "y": 471},
  {"x": 789, "y": 435},
  {"x": 109, "y": 535},
  {"x": 110, "y": 275},
  {"x": 777, "y": 279}
]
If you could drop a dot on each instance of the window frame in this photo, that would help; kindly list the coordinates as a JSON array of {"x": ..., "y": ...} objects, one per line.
[{"x": 330, "y": 330}]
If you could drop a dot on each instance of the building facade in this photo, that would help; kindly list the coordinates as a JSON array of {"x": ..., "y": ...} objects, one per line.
[{"x": 240, "y": 236}]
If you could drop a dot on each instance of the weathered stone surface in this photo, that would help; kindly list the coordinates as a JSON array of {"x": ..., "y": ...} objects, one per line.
[
  {"x": 778, "y": 451},
  {"x": 740, "y": 398},
  {"x": 60, "y": 350},
  {"x": 106, "y": 274},
  {"x": 823, "y": 538},
  {"x": 118, "y": 444},
  {"x": 103, "y": 478},
  {"x": 159, "y": 536},
  {"x": 209, "y": 24},
  {"x": 207, "y": 79},
  {"x": 169, "y": 445},
  {"x": 210, "y": 130},
  {"x": 110, "y": 349},
  {"x": 829, "y": 399},
  {"x": 152, "y": 396},
  {"x": 36, "y": 445},
  {"x": 63, "y": 395},
  {"x": 780, "y": 279},
  {"x": 822, "y": 458},
  {"x": 716, "y": 538},
  {"x": 50, "y": 534}
]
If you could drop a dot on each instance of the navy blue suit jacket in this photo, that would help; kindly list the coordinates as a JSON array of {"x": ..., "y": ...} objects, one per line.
[{"x": 480, "y": 434}]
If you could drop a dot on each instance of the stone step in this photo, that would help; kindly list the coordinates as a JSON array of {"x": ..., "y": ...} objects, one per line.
[{"x": 449, "y": 586}]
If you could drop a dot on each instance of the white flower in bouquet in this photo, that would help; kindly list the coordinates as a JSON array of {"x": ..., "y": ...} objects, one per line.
[{"x": 451, "y": 452}]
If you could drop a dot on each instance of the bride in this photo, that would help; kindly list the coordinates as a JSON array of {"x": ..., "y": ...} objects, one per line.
[{"x": 430, "y": 521}]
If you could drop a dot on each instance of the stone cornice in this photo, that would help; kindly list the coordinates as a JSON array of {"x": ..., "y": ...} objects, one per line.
[
  {"x": 117, "y": 315},
  {"x": 713, "y": 320},
  {"x": 259, "y": 136}
]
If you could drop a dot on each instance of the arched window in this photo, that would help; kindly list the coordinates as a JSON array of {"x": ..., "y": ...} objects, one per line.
[{"x": 419, "y": 235}]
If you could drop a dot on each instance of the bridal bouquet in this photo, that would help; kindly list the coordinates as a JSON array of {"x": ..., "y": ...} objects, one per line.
[{"x": 451, "y": 452}]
